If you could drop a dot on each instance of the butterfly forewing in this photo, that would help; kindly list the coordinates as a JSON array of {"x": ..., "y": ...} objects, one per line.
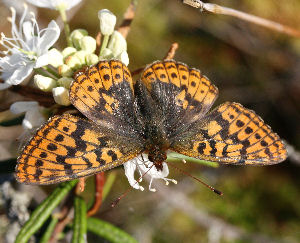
[
  {"x": 68, "y": 147},
  {"x": 231, "y": 134},
  {"x": 183, "y": 94},
  {"x": 104, "y": 94}
]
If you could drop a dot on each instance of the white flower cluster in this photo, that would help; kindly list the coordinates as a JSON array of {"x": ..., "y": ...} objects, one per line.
[
  {"x": 28, "y": 50},
  {"x": 117, "y": 45}
]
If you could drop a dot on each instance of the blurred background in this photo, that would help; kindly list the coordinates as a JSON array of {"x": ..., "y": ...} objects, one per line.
[{"x": 249, "y": 64}]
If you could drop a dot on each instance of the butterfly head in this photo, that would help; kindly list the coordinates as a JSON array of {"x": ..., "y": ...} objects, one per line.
[{"x": 157, "y": 156}]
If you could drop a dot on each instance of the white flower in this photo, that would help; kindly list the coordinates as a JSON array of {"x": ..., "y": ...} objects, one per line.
[
  {"x": 55, "y": 4},
  {"x": 33, "y": 115},
  {"x": 107, "y": 21},
  {"x": 26, "y": 50},
  {"x": 143, "y": 165}
]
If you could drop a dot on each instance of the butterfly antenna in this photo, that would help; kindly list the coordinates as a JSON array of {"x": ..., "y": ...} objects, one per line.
[
  {"x": 115, "y": 202},
  {"x": 197, "y": 179}
]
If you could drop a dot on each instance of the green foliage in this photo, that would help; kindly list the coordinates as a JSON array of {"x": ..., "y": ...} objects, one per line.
[
  {"x": 48, "y": 232},
  {"x": 108, "y": 231},
  {"x": 79, "y": 225},
  {"x": 43, "y": 211}
]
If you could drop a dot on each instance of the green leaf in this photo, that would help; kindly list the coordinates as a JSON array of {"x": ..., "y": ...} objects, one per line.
[
  {"x": 79, "y": 226},
  {"x": 47, "y": 234},
  {"x": 175, "y": 157},
  {"x": 43, "y": 211},
  {"x": 108, "y": 184},
  {"x": 109, "y": 231}
]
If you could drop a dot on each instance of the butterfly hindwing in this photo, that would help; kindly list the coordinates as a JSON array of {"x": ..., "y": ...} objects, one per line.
[
  {"x": 68, "y": 147},
  {"x": 231, "y": 134},
  {"x": 183, "y": 94}
]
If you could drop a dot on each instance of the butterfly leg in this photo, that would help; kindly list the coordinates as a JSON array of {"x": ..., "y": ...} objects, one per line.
[{"x": 150, "y": 184}]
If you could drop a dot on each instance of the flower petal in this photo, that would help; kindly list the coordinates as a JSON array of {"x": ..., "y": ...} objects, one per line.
[
  {"x": 28, "y": 30},
  {"x": 42, "y": 3},
  {"x": 4, "y": 86},
  {"x": 49, "y": 37},
  {"x": 70, "y": 3},
  {"x": 23, "y": 106},
  {"x": 42, "y": 60},
  {"x": 20, "y": 74},
  {"x": 33, "y": 118}
]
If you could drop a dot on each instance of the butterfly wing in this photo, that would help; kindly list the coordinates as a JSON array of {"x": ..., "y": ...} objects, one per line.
[
  {"x": 184, "y": 95},
  {"x": 104, "y": 94},
  {"x": 68, "y": 147},
  {"x": 231, "y": 134}
]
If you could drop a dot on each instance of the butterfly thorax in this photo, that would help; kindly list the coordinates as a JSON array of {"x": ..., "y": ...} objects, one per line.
[{"x": 157, "y": 143}]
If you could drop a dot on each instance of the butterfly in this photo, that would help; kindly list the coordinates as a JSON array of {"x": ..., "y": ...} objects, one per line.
[{"x": 167, "y": 109}]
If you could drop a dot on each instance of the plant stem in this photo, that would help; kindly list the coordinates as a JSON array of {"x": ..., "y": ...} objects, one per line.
[
  {"x": 104, "y": 44},
  {"x": 63, "y": 15},
  {"x": 43, "y": 71},
  {"x": 52, "y": 71},
  {"x": 175, "y": 157}
]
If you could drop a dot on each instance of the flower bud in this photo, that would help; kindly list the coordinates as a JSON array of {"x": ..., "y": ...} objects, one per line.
[
  {"x": 123, "y": 57},
  {"x": 106, "y": 54},
  {"x": 65, "y": 70},
  {"x": 81, "y": 56},
  {"x": 73, "y": 62},
  {"x": 44, "y": 83},
  {"x": 65, "y": 82},
  {"x": 61, "y": 96},
  {"x": 117, "y": 43},
  {"x": 55, "y": 58},
  {"x": 68, "y": 51},
  {"x": 107, "y": 21},
  {"x": 91, "y": 59},
  {"x": 88, "y": 44},
  {"x": 76, "y": 36}
]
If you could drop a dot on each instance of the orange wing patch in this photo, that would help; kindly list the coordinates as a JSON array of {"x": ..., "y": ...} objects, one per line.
[
  {"x": 233, "y": 134},
  {"x": 66, "y": 148}
]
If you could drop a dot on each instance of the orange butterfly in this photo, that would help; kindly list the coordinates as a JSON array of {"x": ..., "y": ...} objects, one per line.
[{"x": 167, "y": 109}]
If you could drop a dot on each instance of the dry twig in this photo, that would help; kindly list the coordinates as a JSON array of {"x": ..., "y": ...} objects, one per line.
[
  {"x": 127, "y": 19},
  {"x": 170, "y": 55},
  {"x": 217, "y": 9},
  {"x": 172, "y": 51}
]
